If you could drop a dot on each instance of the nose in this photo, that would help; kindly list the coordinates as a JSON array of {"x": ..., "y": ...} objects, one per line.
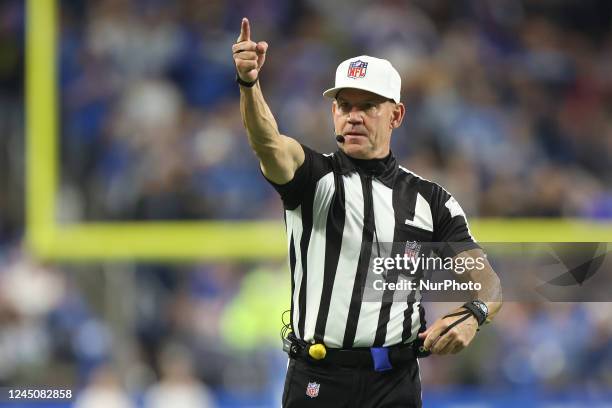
[{"x": 355, "y": 116}]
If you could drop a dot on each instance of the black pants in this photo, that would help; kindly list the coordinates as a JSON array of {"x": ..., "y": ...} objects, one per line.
[{"x": 308, "y": 385}]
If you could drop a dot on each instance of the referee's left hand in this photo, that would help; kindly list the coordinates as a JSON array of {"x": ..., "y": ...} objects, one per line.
[{"x": 455, "y": 340}]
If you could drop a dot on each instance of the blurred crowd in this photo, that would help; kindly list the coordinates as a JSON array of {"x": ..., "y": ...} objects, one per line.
[
  {"x": 508, "y": 103},
  {"x": 509, "y": 106},
  {"x": 208, "y": 335}
]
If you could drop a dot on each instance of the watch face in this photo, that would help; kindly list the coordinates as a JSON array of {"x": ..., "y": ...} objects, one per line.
[{"x": 483, "y": 307}]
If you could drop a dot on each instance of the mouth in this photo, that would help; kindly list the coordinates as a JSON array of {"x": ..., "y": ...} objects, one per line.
[{"x": 355, "y": 134}]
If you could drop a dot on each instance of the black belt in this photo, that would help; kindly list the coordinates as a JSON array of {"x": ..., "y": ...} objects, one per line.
[{"x": 399, "y": 356}]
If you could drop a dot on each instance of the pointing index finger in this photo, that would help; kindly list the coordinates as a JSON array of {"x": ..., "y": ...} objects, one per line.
[{"x": 245, "y": 30}]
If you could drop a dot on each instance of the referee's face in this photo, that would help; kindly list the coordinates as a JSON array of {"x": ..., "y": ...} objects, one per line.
[{"x": 366, "y": 121}]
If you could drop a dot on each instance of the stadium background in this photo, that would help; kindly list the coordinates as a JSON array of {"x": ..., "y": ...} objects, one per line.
[{"x": 122, "y": 287}]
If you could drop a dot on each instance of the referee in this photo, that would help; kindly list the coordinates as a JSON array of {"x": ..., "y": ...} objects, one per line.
[{"x": 347, "y": 350}]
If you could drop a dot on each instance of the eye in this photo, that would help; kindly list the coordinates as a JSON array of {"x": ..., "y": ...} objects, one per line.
[
  {"x": 369, "y": 107},
  {"x": 344, "y": 106}
]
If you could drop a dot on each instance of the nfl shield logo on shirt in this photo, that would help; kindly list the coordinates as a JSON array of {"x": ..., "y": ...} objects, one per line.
[
  {"x": 357, "y": 69},
  {"x": 412, "y": 250},
  {"x": 312, "y": 390}
]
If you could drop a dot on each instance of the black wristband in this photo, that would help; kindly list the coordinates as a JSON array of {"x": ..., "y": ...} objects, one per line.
[
  {"x": 479, "y": 310},
  {"x": 245, "y": 83}
]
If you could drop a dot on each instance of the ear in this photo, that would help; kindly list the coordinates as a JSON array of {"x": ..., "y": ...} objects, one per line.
[{"x": 397, "y": 116}]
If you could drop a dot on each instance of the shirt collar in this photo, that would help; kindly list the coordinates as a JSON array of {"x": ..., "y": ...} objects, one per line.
[{"x": 383, "y": 170}]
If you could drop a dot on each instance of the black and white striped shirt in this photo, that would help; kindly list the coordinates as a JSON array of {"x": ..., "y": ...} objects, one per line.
[{"x": 335, "y": 207}]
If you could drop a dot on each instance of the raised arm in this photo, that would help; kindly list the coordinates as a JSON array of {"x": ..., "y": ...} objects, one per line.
[{"x": 279, "y": 155}]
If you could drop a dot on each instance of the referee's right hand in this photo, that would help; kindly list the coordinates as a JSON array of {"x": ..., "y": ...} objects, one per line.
[{"x": 249, "y": 56}]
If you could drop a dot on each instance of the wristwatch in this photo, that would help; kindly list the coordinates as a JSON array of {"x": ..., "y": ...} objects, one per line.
[
  {"x": 245, "y": 83},
  {"x": 479, "y": 309}
]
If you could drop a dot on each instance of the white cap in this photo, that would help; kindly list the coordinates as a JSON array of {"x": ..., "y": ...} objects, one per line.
[{"x": 370, "y": 74}]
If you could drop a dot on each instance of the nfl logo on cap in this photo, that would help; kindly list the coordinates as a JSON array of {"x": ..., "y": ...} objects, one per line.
[
  {"x": 312, "y": 390},
  {"x": 357, "y": 69}
]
